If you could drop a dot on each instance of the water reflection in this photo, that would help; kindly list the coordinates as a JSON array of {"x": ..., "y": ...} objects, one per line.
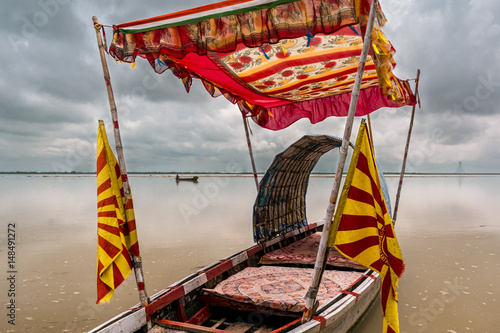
[{"x": 448, "y": 229}]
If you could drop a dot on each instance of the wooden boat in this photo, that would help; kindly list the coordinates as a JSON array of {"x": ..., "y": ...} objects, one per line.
[
  {"x": 182, "y": 306},
  {"x": 193, "y": 179},
  {"x": 221, "y": 296},
  {"x": 249, "y": 291}
]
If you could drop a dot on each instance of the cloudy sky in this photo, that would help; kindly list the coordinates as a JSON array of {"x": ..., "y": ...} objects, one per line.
[{"x": 52, "y": 94}]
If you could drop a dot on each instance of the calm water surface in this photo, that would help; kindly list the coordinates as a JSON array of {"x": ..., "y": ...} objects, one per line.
[{"x": 448, "y": 228}]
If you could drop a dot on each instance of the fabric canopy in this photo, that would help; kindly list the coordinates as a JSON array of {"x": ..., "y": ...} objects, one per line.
[{"x": 279, "y": 60}]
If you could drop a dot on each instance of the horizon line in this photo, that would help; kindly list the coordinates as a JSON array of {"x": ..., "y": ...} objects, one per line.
[{"x": 233, "y": 173}]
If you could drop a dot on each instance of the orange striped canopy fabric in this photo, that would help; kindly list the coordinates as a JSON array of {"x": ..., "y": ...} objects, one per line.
[
  {"x": 116, "y": 230},
  {"x": 278, "y": 60},
  {"x": 365, "y": 232}
]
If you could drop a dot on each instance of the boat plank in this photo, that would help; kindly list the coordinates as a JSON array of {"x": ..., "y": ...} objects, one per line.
[
  {"x": 200, "y": 317},
  {"x": 177, "y": 325},
  {"x": 159, "y": 329},
  {"x": 219, "y": 269},
  {"x": 217, "y": 324},
  {"x": 264, "y": 329},
  {"x": 129, "y": 323},
  {"x": 164, "y": 300},
  {"x": 239, "y": 327},
  {"x": 288, "y": 326}
]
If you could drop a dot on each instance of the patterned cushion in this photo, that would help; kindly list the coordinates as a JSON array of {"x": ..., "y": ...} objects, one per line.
[
  {"x": 304, "y": 252},
  {"x": 281, "y": 288}
]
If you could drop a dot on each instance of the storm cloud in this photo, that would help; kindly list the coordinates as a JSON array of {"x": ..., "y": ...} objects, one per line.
[{"x": 52, "y": 93}]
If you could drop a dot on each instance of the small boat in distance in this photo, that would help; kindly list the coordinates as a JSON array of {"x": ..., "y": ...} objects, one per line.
[{"x": 193, "y": 179}]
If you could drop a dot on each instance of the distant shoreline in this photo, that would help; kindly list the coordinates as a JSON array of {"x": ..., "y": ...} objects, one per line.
[{"x": 173, "y": 174}]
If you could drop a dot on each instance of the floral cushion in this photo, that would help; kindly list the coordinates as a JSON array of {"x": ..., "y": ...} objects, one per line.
[
  {"x": 281, "y": 288},
  {"x": 304, "y": 252}
]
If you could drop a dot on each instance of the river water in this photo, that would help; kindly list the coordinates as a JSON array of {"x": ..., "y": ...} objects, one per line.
[{"x": 448, "y": 228}]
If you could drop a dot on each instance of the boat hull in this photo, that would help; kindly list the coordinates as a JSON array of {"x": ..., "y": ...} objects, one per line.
[
  {"x": 343, "y": 316},
  {"x": 179, "y": 304}
]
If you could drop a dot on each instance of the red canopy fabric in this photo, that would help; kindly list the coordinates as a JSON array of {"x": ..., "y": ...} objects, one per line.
[{"x": 279, "y": 60}]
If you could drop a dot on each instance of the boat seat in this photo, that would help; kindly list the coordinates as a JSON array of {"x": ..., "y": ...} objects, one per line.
[
  {"x": 304, "y": 252},
  {"x": 277, "y": 290}
]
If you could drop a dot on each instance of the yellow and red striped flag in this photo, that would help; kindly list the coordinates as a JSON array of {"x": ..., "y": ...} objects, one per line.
[
  {"x": 364, "y": 227},
  {"x": 116, "y": 229}
]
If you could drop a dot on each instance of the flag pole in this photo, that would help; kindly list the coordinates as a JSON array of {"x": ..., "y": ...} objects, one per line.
[
  {"x": 136, "y": 260},
  {"x": 249, "y": 144},
  {"x": 405, "y": 157},
  {"x": 323, "y": 250}
]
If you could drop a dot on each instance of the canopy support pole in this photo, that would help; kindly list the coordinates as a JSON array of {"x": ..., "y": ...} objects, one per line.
[
  {"x": 401, "y": 176},
  {"x": 323, "y": 251},
  {"x": 136, "y": 261},
  {"x": 249, "y": 144}
]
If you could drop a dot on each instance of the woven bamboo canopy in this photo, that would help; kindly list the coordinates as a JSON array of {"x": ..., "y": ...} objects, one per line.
[{"x": 280, "y": 206}]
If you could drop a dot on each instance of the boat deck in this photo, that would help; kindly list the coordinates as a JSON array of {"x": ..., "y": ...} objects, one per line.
[
  {"x": 226, "y": 320},
  {"x": 218, "y": 301},
  {"x": 184, "y": 305}
]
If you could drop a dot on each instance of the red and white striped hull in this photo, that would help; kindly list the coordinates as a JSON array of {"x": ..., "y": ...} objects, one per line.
[{"x": 338, "y": 315}]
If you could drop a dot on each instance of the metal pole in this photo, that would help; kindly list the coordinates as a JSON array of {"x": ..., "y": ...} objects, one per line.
[
  {"x": 136, "y": 261},
  {"x": 401, "y": 176},
  {"x": 319, "y": 267},
  {"x": 249, "y": 144}
]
